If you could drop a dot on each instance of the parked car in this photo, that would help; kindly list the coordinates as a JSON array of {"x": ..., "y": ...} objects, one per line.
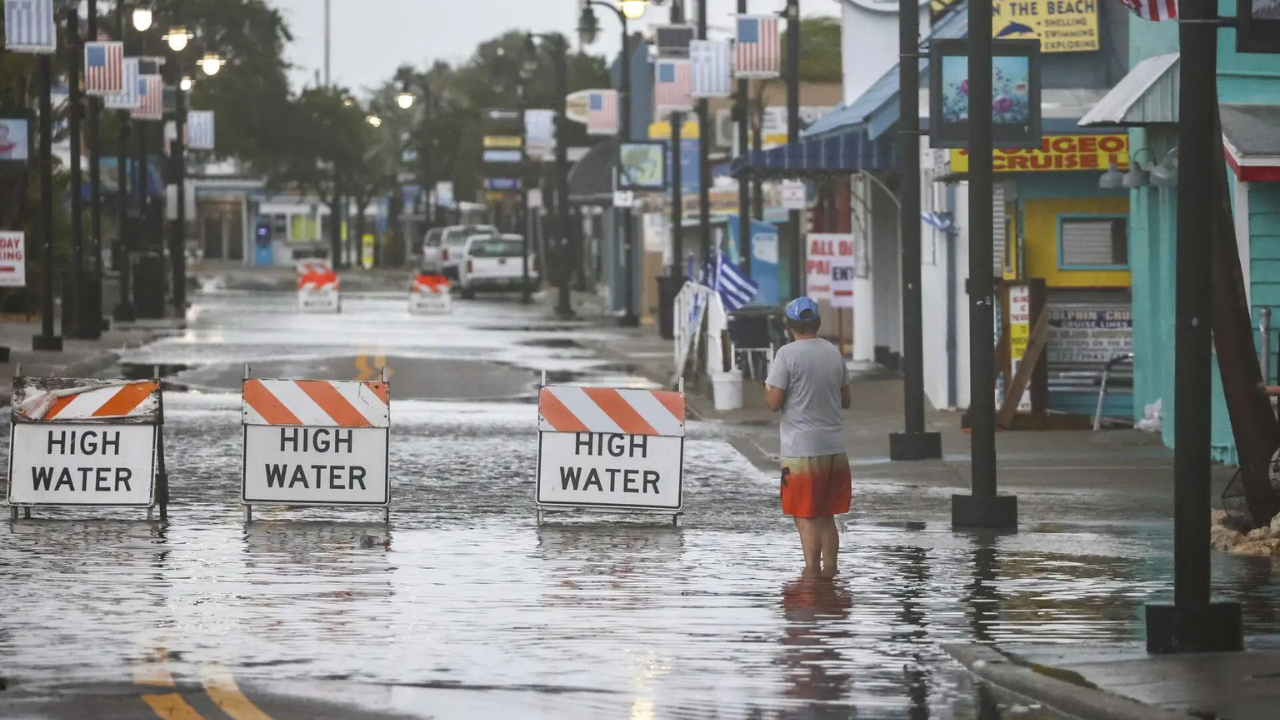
[
  {"x": 429, "y": 264},
  {"x": 493, "y": 262},
  {"x": 444, "y": 258}
]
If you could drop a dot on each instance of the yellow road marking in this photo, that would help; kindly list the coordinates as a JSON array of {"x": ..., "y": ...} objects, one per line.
[
  {"x": 172, "y": 707},
  {"x": 154, "y": 670},
  {"x": 222, "y": 689}
]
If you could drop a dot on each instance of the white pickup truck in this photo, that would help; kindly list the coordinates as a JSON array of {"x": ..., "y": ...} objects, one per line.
[
  {"x": 442, "y": 248},
  {"x": 493, "y": 262}
]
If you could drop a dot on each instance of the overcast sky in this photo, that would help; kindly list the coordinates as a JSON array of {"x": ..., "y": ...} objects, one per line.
[{"x": 371, "y": 38}]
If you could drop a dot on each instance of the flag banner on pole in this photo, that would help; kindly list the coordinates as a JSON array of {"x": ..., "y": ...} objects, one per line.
[
  {"x": 1155, "y": 10},
  {"x": 671, "y": 86},
  {"x": 758, "y": 50},
  {"x": 150, "y": 98},
  {"x": 712, "y": 68},
  {"x": 103, "y": 68},
  {"x": 127, "y": 98},
  {"x": 200, "y": 134},
  {"x": 734, "y": 286},
  {"x": 602, "y": 112},
  {"x": 29, "y": 27}
]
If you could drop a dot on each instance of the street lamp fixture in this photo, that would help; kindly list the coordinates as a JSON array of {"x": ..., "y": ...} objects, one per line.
[
  {"x": 348, "y": 101},
  {"x": 142, "y": 18},
  {"x": 633, "y": 9},
  {"x": 406, "y": 98},
  {"x": 186, "y": 83},
  {"x": 374, "y": 120},
  {"x": 588, "y": 25},
  {"x": 211, "y": 63},
  {"x": 178, "y": 38}
]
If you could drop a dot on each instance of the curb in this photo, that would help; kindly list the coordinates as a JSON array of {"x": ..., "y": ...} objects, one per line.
[{"x": 1078, "y": 701}]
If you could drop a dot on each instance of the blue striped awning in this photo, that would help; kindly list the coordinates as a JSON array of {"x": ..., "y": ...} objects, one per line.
[{"x": 843, "y": 153}]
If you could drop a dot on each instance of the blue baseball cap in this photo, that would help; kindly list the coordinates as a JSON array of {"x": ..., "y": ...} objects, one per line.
[{"x": 802, "y": 309}]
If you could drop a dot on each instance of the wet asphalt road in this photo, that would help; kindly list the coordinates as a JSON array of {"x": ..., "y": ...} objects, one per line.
[{"x": 465, "y": 607}]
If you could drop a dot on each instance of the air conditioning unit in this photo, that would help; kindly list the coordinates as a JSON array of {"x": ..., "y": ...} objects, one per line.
[{"x": 725, "y": 130}]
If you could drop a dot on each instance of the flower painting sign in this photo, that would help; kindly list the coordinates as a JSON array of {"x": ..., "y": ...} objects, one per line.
[{"x": 1015, "y": 97}]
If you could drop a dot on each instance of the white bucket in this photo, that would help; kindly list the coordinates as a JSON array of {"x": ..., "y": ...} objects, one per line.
[{"x": 726, "y": 390}]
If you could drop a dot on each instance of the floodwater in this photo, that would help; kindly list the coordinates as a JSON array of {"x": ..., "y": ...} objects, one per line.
[{"x": 465, "y": 607}]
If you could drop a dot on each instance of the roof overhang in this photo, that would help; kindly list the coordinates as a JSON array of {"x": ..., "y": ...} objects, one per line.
[
  {"x": 1148, "y": 95},
  {"x": 1251, "y": 139}
]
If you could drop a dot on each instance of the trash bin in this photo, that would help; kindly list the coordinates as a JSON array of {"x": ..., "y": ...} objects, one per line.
[
  {"x": 668, "y": 287},
  {"x": 757, "y": 327}
]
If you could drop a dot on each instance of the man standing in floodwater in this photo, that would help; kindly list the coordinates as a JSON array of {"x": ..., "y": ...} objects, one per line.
[{"x": 809, "y": 382}]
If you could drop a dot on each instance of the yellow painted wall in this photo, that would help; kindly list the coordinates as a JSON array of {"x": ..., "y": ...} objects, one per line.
[{"x": 1040, "y": 229}]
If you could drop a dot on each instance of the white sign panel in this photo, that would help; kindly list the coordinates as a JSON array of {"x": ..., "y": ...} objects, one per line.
[
  {"x": 13, "y": 259},
  {"x": 793, "y": 195},
  {"x": 623, "y": 198},
  {"x": 610, "y": 470},
  {"x": 843, "y": 272},
  {"x": 323, "y": 300},
  {"x": 315, "y": 465},
  {"x": 1019, "y": 335},
  {"x": 444, "y": 193},
  {"x": 826, "y": 249},
  {"x": 429, "y": 303},
  {"x": 82, "y": 464}
]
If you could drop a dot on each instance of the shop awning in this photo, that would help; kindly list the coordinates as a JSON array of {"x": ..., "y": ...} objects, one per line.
[
  {"x": 591, "y": 178},
  {"x": 1146, "y": 96},
  {"x": 844, "y": 153},
  {"x": 1251, "y": 137}
]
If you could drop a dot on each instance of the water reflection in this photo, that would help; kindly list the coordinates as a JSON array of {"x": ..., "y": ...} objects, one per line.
[{"x": 814, "y": 610}]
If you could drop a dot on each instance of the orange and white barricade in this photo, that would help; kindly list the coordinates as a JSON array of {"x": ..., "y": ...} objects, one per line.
[
  {"x": 316, "y": 442},
  {"x": 610, "y": 449},
  {"x": 318, "y": 287},
  {"x": 86, "y": 442},
  {"x": 430, "y": 295}
]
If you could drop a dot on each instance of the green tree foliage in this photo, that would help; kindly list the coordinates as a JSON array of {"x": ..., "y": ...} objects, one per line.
[{"x": 819, "y": 50}]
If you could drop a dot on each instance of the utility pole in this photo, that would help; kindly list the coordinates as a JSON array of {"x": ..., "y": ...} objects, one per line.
[
  {"x": 1194, "y": 622},
  {"x": 704, "y": 156},
  {"x": 793, "y": 138},
  {"x": 983, "y": 508},
  {"x": 91, "y": 328},
  {"x": 743, "y": 102},
  {"x": 73, "y": 301},
  {"x": 46, "y": 341},
  {"x": 124, "y": 310},
  {"x": 915, "y": 443}
]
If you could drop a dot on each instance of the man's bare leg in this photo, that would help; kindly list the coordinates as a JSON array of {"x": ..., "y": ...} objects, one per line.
[
  {"x": 811, "y": 542},
  {"x": 830, "y": 546}
]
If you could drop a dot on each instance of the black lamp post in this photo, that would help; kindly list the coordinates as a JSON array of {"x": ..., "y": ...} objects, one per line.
[
  {"x": 178, "y": 38},
  {"x": 559, "y": 49},
  {"x": 626, "y": 10},
  {"x": 124, "y": 310}
]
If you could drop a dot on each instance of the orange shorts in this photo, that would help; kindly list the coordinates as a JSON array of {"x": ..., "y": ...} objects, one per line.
[{"x": 816, "y": 486}]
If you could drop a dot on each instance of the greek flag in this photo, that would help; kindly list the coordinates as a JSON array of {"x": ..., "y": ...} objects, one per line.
[
  {"x": 711, "y": 68},
  {"x": 734, "y": 286},
  {"x": 29, "y": 27},
  {"x": 200, "y": 135}
]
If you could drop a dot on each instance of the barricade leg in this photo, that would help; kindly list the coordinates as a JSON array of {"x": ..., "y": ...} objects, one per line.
[
  {"x": 26, "y": 513},
  {"x": 540, "y": 516},
  {"x": 248, "y": 514},
  {"x": 675, "y": 519},
  {"x": 386, "y": 515},
  {"x": 13, "y": 513},
  {"x": 150, "y": 513}
]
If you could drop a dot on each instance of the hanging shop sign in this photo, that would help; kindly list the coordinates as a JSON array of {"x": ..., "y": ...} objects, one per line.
[
  {"x": 1057, "y": 153},
  {"x": 1059, "y": 25},
  {"x": 1015, "y": 93}
]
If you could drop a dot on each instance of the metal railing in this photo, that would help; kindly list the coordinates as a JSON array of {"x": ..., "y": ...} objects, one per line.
[{"x": 1102, "y": 390}]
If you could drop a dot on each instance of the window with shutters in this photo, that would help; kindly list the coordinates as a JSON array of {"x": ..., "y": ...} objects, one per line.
[{"x": 1093, "y": 242}]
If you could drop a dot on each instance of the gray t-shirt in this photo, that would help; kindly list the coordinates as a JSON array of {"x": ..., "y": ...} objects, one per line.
[{"x": 812, "y": 372}]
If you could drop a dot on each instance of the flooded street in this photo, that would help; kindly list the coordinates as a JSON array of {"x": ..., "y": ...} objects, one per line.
[{"x": 465, "y": 607}]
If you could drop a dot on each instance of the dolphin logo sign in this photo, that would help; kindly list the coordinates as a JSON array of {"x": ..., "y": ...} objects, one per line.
[{"x": 1014, "y": 28}]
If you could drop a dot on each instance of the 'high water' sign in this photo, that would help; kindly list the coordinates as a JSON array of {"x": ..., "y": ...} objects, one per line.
[
  {"x": 316, "y": 442},
  {"x": 84, "y": 442},
  {"x": 610, "y": 449}
]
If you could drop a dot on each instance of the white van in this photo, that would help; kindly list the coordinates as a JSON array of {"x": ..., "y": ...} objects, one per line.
[{"x": 493, "y": 262}]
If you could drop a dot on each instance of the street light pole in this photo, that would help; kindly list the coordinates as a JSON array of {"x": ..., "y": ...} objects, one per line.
[
  {"x": 178, "y": 246},
  {"x": 92, "y": 328},
  {"x": 744, "y": 184},
  {"x": 560, "y": 59},
  {"x": 704, "y": 156},
  {"x": 46, "y": 341},
  {"x": 793, "y": 137},
  {"x": 983, "y": 508},
  {"x": 1194, "y": 622},
  {"x": 73, "y": 301},
  {"x": 914, "y": 443},
  {"x": 124, "y": 310}
]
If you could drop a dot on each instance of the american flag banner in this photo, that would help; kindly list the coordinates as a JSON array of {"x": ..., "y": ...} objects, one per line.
[
  {"x": 712, "y": 68},
  {"x": 103, "y": 68},
  {"x": 1155, "y": 10},
  {"x": 602, "y": 112},
  {"x": 127, "y": 98},
  {"x": 150, "y": 98},
  {"x": 671, "y": 86},
  {"x": 29, "y": 27},
  {"x": 758, "y": 51},
  {"x": 200, "y": 134}
]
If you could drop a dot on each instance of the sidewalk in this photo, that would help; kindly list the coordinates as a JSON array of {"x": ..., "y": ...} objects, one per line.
[
  {"x": 79, "y": 358},
  {"x": 1125, "y": 683}
]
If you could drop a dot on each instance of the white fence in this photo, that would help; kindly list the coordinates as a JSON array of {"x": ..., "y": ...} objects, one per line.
[{"x": 701, "y": 332}]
